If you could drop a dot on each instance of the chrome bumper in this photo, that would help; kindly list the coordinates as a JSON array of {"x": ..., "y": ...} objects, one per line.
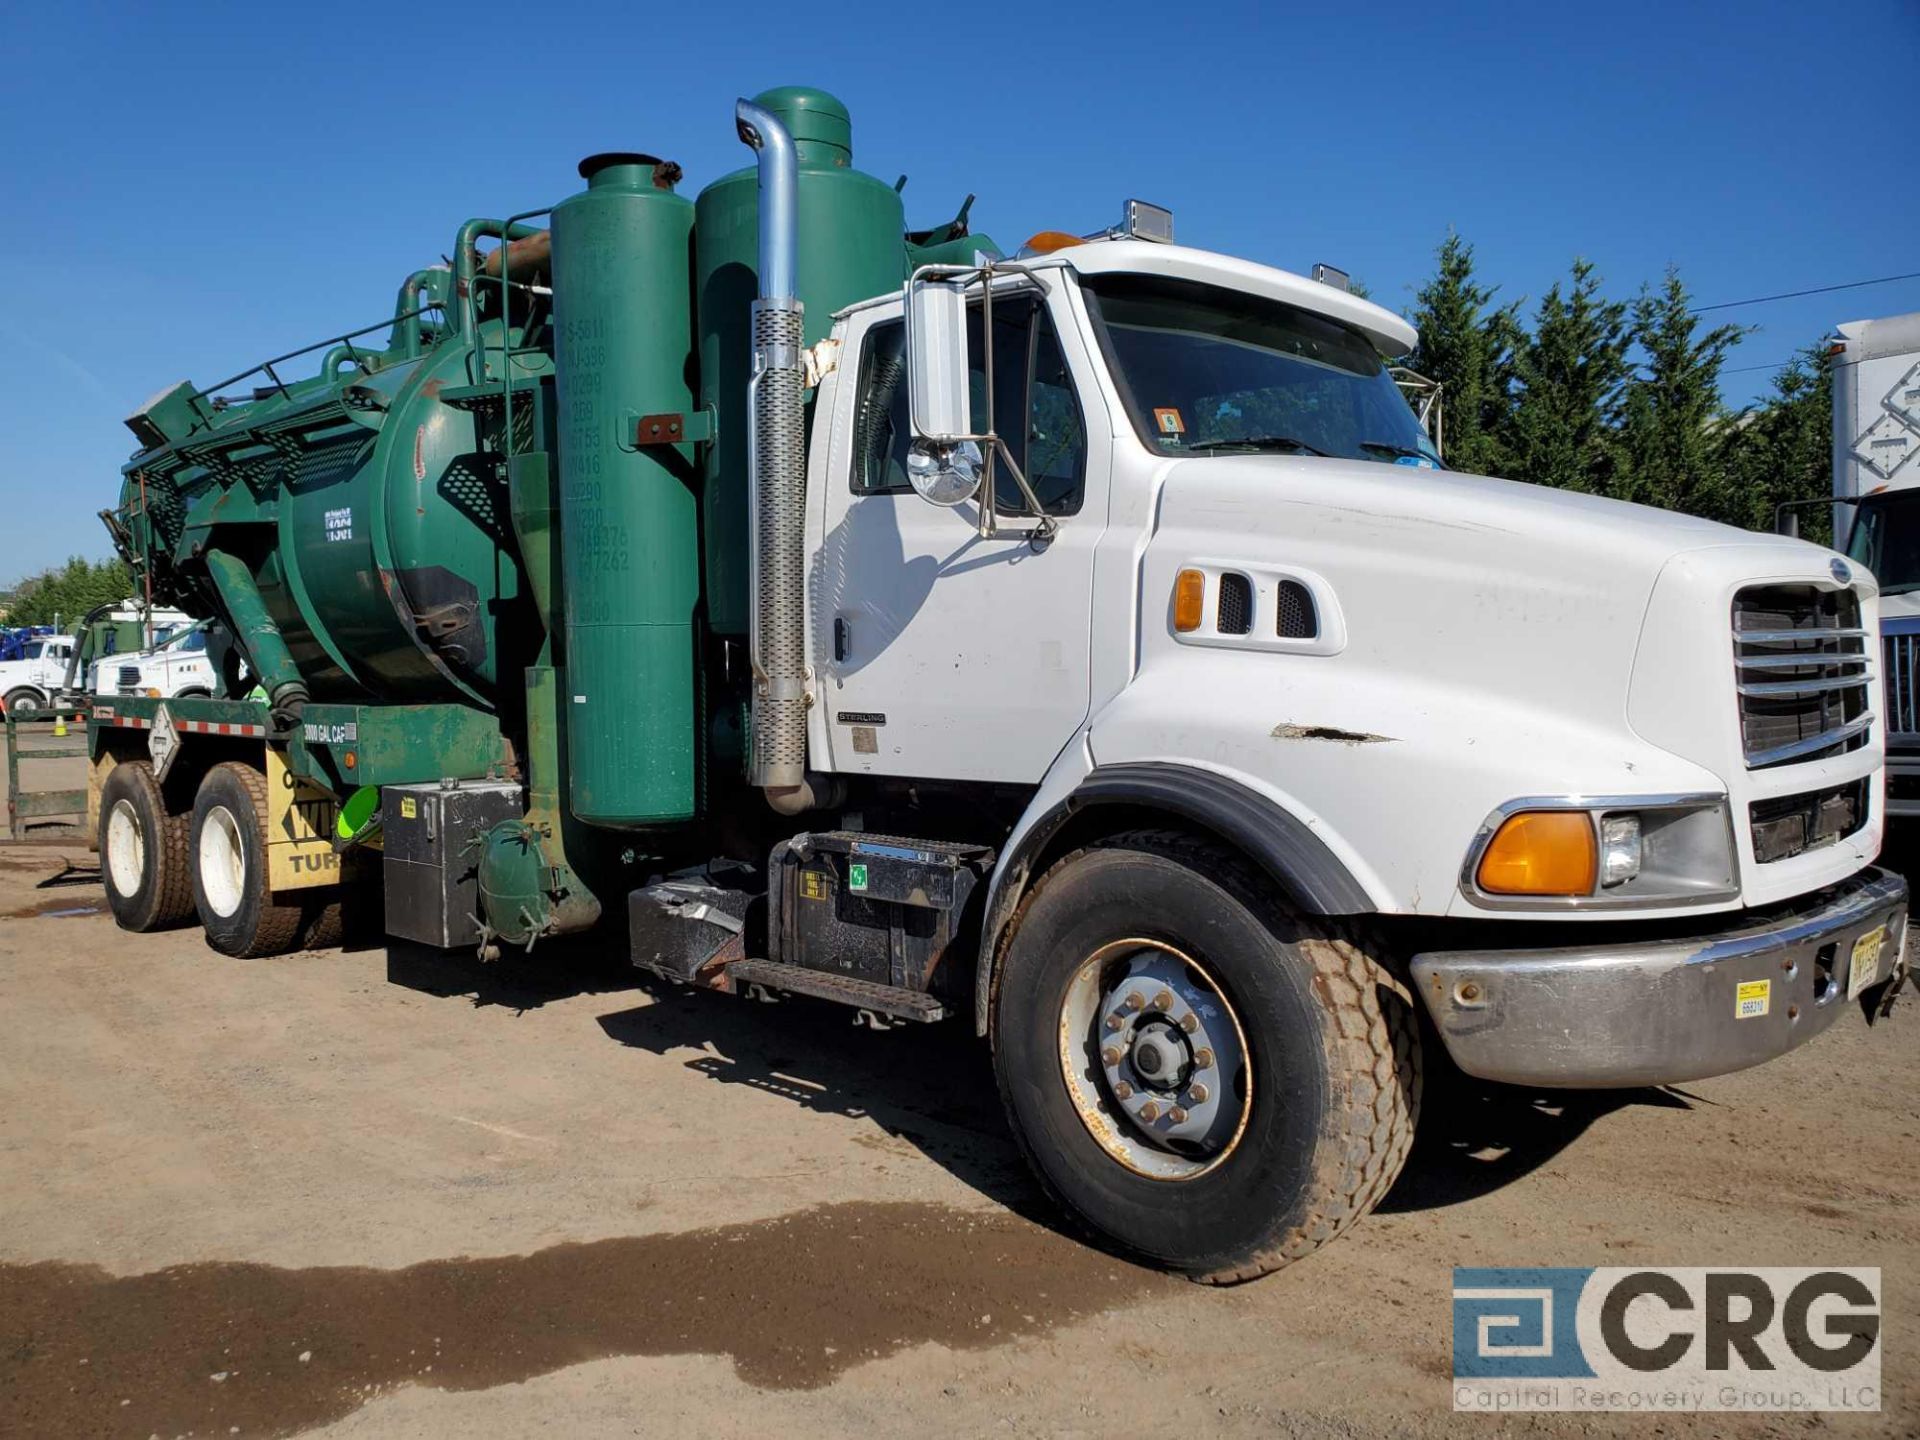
[{"x": 1652, "y": 1013}]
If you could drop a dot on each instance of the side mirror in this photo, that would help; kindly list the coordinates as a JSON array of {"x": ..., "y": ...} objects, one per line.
[
  {"x": 945, "y": 467},
  {"x": 940, "y": 402}
]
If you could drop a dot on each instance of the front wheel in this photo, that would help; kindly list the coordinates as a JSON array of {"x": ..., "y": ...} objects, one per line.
[
  {"x": 1206, "y": 1080},
  {"x": 25, "y": 701}
]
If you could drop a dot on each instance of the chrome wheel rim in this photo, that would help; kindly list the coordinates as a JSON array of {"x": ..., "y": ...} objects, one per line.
[
  {"x": 126, "y": 850},
  {"x": 223, "y": 862},
  {"x": 1155, "y": 1060}
]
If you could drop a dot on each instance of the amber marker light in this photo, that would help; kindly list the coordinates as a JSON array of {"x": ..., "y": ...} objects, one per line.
[
  {"x": 1541, "y": 852},
  {"x": 1189, "y": 600}
]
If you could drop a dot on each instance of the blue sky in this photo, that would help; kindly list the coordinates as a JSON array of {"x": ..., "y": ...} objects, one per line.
[{"x": 196, "y": 187}]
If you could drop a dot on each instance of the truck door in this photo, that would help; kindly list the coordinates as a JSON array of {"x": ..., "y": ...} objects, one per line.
[{"x": 941, "y": 654}]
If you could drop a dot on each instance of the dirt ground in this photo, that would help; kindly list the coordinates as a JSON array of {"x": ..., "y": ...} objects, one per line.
[{"x": 384, "y": 1192}]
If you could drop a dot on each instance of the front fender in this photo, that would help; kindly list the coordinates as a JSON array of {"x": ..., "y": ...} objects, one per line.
[
  {"x": 1394, "y": 773},
  {"x": 1299, "y": 863}
]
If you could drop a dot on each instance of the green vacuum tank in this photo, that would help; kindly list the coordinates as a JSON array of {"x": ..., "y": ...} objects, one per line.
[
  {"x": 629, "y": 516},
  {"x": 852, "y": 246}
]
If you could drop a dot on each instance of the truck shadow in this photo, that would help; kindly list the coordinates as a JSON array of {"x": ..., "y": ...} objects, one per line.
[
  {"x": 1476, "y": 1136},
  {"x": 928, "y": 1088}
]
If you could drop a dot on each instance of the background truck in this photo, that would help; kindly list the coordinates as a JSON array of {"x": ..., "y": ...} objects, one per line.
[
  {"x": 29, "y": 683},
  {"x": 179, "y": 665},
  {"x": 1086, "y": 644},
  {"x": 1876, "y": 467}
]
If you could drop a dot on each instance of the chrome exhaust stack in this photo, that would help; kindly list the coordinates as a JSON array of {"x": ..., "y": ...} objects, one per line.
[{"x": 776, "y": 460}]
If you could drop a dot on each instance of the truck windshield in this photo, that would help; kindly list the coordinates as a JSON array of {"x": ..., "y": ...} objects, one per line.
[
  {"x": 1211, "y": 371},
  {"x": 1886, "y": 539}
]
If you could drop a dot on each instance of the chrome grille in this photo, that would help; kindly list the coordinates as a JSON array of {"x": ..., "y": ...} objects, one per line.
[
  {"x": 1800, "y": 672},
  {"x": 1900, "y": 664}
]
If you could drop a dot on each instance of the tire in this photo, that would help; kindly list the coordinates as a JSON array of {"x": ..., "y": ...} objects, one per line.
[
  {"x": 229, "y": 865},
  {"x": 1315, "y": 1052},
  {"x": 143, "y": 851},
  {"x": 25, "y": 701},
  {"x": 324, "y": 927}
]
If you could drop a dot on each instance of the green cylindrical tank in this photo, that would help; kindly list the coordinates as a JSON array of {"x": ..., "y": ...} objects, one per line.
[
  {"x": 851, "y": 247},
  {"x": 630, "y": 524},
  {"x": 363, "y": 530}
]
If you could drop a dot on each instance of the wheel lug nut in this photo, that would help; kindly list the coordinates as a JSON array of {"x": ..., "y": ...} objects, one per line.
[
  {"x": 1163, "y": 1001},
  {"x": 1177, "y": 1115},
  {"x": 1115, "y": 1021},
  {"x": 1111, "y": 1055},
  {"x": 1134, "y": 1000},
  {"x": 1149, "y": 1111},
  {"x": 1198, "y": 1094},
  {"x": 1203, "y": 1059},
  {"x": 1189, "y": 1022},
  {"x": 1123, "y": 1090}
]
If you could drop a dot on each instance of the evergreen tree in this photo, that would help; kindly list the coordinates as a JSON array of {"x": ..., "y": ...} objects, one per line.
[
  {"x": 1784, "y": 450},
  {"x": 1672, "y": 428},
  {"x": 1568, "y": 376},
  {"x": 1468, "y": 349},
  {"x": 69, "y": 591}
]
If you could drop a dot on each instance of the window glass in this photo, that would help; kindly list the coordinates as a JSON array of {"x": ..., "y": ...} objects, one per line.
[
  {"x": 1211, "y": 371},
  {"x": 1030, "y": 380},
  {"x": 34, "y": 649}
]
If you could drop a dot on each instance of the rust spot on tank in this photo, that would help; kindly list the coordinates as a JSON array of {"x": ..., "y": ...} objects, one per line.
[
  {"x": 218, "y": 1346},
  {"x": 433, "y": 387}
]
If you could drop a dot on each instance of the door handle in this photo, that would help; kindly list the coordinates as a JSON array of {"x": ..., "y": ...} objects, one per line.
[{"x": 842, "y": 637}]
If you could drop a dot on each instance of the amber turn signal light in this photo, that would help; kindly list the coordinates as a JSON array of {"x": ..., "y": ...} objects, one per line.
[
  {"x": 1189, "y": 600},
  {"x": 1541, "y": 852}
]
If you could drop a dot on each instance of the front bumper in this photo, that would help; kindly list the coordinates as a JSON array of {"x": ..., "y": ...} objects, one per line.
[{"x": 1659, "y": 1011}]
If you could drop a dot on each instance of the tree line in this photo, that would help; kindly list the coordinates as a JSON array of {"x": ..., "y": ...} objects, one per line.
[
  {"x": 1619, "y": 397},
  {"x": 68, "y": 591}
]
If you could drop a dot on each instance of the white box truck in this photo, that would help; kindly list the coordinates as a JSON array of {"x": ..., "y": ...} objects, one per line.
[{"x": 1876, "y": 466}]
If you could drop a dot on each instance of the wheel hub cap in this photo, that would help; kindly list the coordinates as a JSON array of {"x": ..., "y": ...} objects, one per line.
[{"x": 1155, "y": 1060}]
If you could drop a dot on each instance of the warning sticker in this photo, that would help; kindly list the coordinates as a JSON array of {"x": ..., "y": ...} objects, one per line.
[
  {"x": 813, "y": 885},
  {"x": 409, "y": 807},
  {"x": 1168, "y": 422},
  {"x": 856, "y": 876},
  {"x": 1752, "y": 998}
]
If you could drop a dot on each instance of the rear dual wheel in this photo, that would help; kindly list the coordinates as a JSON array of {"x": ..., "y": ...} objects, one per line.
[
  {"x": 231, "y": 890},
  {"x": 1207, "y": 1080},
  {"x": 143, "y": 851}
]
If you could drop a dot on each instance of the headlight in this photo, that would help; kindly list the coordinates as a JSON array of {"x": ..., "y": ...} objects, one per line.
[{"x": 1598, "y": 852}]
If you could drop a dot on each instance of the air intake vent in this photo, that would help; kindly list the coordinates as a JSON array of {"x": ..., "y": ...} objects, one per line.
[
  {"x": 1297, "y": 620},
  {"x": 1236, "y": 605}
]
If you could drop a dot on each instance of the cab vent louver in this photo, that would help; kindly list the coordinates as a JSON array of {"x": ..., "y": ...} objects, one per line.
[
  {"x": 1296, "y": 620},
  {"x": 1235, "y": 615}
]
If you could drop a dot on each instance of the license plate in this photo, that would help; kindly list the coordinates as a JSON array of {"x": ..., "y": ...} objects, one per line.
[{"x": 1865, "y": 963}]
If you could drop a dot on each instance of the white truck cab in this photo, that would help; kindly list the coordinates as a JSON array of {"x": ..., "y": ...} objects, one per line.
[
  {"x": 176, "y": 667},
  {"x": 1644, "y": 746},
  {"x": 28, "y": 685}
]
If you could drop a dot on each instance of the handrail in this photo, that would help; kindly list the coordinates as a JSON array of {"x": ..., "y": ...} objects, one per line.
[
  {"x": 465, "y": 257},
  {"x": 266, "y": 366}
]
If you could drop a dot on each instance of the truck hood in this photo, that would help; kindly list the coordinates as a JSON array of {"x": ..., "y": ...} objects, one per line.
[
  {"x": 1402, "y": 500},
  {"x": 1476, "y": 585}
]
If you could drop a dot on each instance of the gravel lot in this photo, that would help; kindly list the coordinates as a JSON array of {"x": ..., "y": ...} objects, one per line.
[{"x": 386, "y": 1192}]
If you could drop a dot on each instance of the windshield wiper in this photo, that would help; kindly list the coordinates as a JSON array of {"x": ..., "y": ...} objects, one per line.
[
  {"x": 1384, "y": 447},
  {"x": 1259, "y": 442}
]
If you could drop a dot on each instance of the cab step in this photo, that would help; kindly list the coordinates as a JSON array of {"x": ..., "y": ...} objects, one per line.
[{"x": 823, "y": 985}]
